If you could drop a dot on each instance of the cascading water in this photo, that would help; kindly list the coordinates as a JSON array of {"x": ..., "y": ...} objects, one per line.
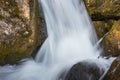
[{"x": 71, "y": 39}]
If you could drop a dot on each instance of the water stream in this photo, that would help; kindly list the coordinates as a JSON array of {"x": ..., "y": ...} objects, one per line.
[{"x": 71, "y": 39}]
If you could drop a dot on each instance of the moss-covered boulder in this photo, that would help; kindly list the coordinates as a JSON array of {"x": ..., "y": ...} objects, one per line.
[
  {"x": 114, "y": 71},
  {"x": 103, "y": 13},
  {"x": 111, "y": 41},
  {"x": 19, "y": 31},
  {"x": 103, "y": 9},
  {"x": 102, "y": 27}
]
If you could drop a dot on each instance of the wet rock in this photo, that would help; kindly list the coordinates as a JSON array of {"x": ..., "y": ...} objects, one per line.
[
  {"x": 86, "y": 70},
  {"x": 111, "y": 41},
  {"x": 102, "y": 27},
  {"x": 20, "y": 31},
  {"x": 103, "y": 9},
  {"x": 114, "y": 71},
  {"x": 103, "y": 13}
]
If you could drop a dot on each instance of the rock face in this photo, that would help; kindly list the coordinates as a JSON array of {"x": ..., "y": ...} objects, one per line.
[
  {"x": 112, "y": 41},
  {"x": 104, "y": 13},
  {"x": 85, "y": 71},
  {"x": 114, "y": 71},
  {"x": 102, "y": 27},
  {"x": 103, "y": 9},
  {"x": 19, "y": 32}
]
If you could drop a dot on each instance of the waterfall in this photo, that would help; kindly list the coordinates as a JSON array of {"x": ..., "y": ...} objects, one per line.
[{"x": 71, "y": 39}]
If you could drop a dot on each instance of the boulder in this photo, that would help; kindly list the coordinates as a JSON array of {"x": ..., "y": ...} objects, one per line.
[
  {"x": 103, "y": 9},
  {"x": 85, "y": 70},
  {"x": 19, "y": 30},
  {"x": 103, "y": 13},
  {"x": 102, "y": 27},
  {"x": 111, "y": 41},
  {"x": 114, "y": 71}
]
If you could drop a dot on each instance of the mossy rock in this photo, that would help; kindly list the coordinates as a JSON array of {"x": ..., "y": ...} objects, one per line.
[
  {"x": 114, "y": 71},
  {"x": 103, "y": 8},
  {"x": 111, "y": 41},
  {"x": 102, "y": 27},
  {"x": 21, "y": 29}
]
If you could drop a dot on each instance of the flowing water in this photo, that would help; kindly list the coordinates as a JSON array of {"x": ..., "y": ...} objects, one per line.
[{"x": 71, "y": 39}]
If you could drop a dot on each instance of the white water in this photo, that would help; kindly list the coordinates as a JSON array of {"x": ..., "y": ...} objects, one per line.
[{"x": 71, "y": 39}]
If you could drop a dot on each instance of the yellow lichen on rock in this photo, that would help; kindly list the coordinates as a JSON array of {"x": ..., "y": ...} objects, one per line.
[{"x": 112, "y": 41}]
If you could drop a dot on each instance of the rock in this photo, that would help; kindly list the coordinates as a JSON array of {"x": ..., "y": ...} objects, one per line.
[
  {"x": 114, "y": 71},
  {"x": 20, "y": 31},
  {"x": 86, "y": 70},
  {"x": 103, "y": 13},
  {"x": 103, "y": 9},
  {"x": 102, "y": 27},
  {"x": 111, "y": 41}
]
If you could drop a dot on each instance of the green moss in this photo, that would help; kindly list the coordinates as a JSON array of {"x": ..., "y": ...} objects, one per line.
[
  {"x": 103, "y": 7},
  {"x": 38, "y": 11},
  {"x": 102, "y": 27},
  {"x": 12, "y": 53},
  {"x": 22, "y": 44},
  {"x": 92, "y": 10},
  {"x": 116, "y": 27},
  {"x": 39, "y": 22},
  {"x": 110, "y": 8},
  {"x": 11, "y": 56}
]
